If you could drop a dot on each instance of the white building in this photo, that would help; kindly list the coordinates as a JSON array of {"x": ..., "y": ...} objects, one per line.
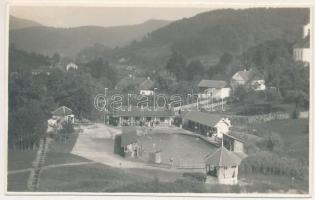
[
  {"x": 147, "y": 87},
  {"x": 301, "y": 50},
  {"x": 71, "y": 65},
  {"x": 213, "y": 89},
  {"x": 248, "y": 78},
  {"x": 223, "y": 127},
  {"x": 63, "y": 113}
]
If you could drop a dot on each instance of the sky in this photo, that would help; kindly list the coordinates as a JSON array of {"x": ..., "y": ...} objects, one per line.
[{"x": 100, "y": 16}]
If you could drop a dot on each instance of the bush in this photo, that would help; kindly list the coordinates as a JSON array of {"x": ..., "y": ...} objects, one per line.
[
  {"x": 195, "y": 176},
  {"x": 268, "y": 163}
]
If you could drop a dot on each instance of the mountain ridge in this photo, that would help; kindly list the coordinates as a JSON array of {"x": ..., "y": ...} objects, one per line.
[{"x": 69, "y": 41}]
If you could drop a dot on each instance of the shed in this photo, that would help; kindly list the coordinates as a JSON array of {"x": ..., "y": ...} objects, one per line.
[
  {"x": 129, "y": 136},
  {"x": 62, "y": 111}
]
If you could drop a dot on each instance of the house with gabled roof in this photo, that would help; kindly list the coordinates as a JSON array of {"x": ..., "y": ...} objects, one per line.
[
  {"x": 71, "y": 66},
  {"x": 248, "y": 78},
  {"x": 146, "y": 87},
  {"x": 63, "y": 113},
  {"x": 301, "y": 50},
  {"x": 216, "y": 89}
]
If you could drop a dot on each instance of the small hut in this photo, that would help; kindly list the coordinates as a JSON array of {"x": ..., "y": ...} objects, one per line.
[
  {"x": 224, "y": 165},
  {"x": 63, "y": 113},
  {"x": 155, "y": 156},
  {"x": 129, "y": 142}
]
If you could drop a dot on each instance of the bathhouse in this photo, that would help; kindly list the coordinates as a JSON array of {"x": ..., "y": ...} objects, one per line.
[
  {"x": 137, "y": 116},
  {"x": 222, "y": 165},
  {"x": 206, "y": 124}
]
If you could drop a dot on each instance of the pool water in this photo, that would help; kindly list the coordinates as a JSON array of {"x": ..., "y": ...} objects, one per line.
[{"x": 182, "y": 149}]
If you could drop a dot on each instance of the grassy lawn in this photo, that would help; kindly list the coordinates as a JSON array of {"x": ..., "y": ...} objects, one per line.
[
  {"x": 86, "y": 178},
  {"x": 18, "y": 182},
  {"x": 101, "y": 178},
  {"x": 20, "y": 159},
  {"x": 58, "y": 154},
  {"x": 263, "y": 184},
  {"x": 293, "y": 132}
]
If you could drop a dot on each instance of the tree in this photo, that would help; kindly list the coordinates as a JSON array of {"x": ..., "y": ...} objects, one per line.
[
  {"x": 240, "y": 93},
  {"x": 177, "y": 66},
  {"x": 221, "y": 66},
  {"x": 55, "y": 59},
  {"x": 194, "y": 68}
]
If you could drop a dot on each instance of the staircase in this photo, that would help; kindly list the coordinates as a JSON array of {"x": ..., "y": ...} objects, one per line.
[{"x": 33, "y": 180}]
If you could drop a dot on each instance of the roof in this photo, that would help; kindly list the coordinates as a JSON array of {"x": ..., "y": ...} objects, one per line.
[
  {"x": 223, "y": 158},
  {"x": 146, "y": 85},
  {"x": 203, "y": 118},
  {"x": 143, "y": 112},
  {"x": 62, "y": 111},
  {"x": 232, "y": 137},
  {"x": 249, "y": 75},
  {"x": 303, "y": 43},
  {"x": 129, "y": 135},
  {"x": 246, "y": 75},
  {"x": 212, "y": 84}
]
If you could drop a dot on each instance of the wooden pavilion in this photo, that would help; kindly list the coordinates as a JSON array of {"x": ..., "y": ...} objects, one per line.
[{"x": 224, "y": 165}]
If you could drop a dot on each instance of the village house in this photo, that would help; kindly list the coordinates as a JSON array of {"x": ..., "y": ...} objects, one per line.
[
  {"x": 71, "y": 66},
  {"x": 146, "y": 87},
  {"x": 137, "y": 116},
  {"x": 301, "y": 50},
  {"x": 129, "y": 142},
  {"x": 214, "y": 89},
  {"x": 249, "y": 79},
  {"x": 206, "y": 124},
  {"x": 63, "y": 113},
  {"x": 223, "y": 165}
]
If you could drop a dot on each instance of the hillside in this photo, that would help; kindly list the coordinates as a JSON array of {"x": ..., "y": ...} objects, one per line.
[
  {"x": 69, "y": 41},
  {"x": 215, "y": 32},
  {"x": 18, "y": 23}
]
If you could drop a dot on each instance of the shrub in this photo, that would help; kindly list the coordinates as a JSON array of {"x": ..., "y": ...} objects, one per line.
[
  {"x": 195, "y": 176},
  {"x": 268, "y": 163}
]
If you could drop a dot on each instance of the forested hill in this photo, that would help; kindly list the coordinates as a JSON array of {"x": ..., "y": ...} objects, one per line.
[
  {"x": 18, "y": 23},
  {"x": 219, "y": 31},
  {"x": 69, "y": 41}
]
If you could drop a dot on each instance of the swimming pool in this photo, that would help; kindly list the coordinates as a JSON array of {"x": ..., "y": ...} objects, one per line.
[{"x": 182, "y": 149}]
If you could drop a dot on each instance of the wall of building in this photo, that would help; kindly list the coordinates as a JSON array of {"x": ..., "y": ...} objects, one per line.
[
  {"x": 301, "y": 54},
  {"x": 238, "y": 146},
  {"x": 227, "y": 175}
]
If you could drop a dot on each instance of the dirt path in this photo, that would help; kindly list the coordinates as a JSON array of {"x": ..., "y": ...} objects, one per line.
[{"x": 50, "y": 167}]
